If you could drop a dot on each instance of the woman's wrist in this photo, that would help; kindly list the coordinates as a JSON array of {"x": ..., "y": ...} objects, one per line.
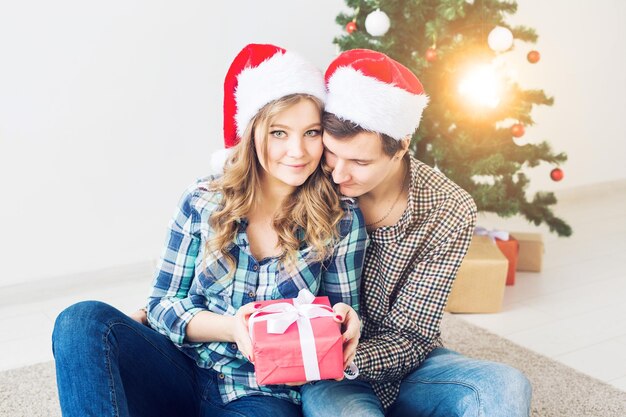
[
  {"x": 207, "y": 326},
  {"x": 229, "y": 328}
]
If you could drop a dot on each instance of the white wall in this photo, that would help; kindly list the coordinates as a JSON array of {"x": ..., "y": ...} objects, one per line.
[
  {"x": 582, "y": 67},
  {"x": 109, "y": 109}
]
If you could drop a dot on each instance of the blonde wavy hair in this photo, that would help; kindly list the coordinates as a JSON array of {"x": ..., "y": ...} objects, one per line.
[{"x": 313, "y": 208}]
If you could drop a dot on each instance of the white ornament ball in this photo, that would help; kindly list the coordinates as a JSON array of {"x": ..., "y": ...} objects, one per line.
[
  {"x": 500, "y": 39},
  {"x": 377, "y": 23}
]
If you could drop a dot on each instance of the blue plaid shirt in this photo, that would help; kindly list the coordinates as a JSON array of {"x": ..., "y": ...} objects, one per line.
[{"x": 184, "y": 286}]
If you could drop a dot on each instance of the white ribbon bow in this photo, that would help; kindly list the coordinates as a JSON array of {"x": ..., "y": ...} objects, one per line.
[
  {"x": 301, "y": 312},
  {"x": 493, "y": 234}
]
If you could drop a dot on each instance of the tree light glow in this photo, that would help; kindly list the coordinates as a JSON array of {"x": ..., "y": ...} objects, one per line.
[{"x": 481, "y": 86}]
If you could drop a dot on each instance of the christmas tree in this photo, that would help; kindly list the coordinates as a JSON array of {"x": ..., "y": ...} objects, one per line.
[{"x": 476, "y": 112}]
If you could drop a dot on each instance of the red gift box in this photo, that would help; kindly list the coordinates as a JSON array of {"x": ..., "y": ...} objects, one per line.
[
  {"x": 510, "y": 249},
  {"x": 279, "y": 358}
]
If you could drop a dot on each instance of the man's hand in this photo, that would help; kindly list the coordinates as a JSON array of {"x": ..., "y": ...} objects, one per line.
[{"x": 295, "y": 384}]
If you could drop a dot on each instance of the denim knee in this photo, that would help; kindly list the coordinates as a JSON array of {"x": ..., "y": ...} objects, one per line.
[
  {"x": 511, "y": 385},
  {"x": 81, "y": 320},
  {"x": 521, "y": 386}
]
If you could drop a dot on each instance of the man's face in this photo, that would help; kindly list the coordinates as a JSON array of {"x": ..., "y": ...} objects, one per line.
[{"x": 359, "y": 164}]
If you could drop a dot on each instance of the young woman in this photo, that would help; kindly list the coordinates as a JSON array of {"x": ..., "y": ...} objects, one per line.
[{"x": 270, "y": 226}]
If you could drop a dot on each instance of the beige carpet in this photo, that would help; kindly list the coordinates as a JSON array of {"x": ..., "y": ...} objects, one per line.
[{"x": 558, "y": 391}]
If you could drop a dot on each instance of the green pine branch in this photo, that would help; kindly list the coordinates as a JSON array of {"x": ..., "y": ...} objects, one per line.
[{"x": 469, "y": 144}]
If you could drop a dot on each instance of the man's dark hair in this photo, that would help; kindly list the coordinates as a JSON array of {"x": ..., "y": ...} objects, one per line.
[{"x": 342, "y": 129}]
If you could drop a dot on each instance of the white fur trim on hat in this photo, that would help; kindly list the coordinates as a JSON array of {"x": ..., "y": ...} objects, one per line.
[
  {"x": 374, "y": 105},
  {"x": 279, "y": 76}
]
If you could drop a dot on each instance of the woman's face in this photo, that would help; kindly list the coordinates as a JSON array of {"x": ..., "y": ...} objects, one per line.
[{"x": 294, "y": 145}]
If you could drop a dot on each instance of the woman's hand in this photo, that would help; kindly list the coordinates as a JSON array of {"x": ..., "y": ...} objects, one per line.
[
  {"x": 296, "y": 384},
  {"x": 241, "y": 335},
  {"x": 140, "y": 316},
  {"x": 350, "y": 328}
]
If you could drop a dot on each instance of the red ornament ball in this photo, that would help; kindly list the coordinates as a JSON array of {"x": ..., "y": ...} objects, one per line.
[
  {"x": 517, "y": 130},
  {"x": 557, "y": 174},
  {"x": 351, "y": 27},
  {"x": 431, "y": 54},
  {"x": 533, "y": 57}
]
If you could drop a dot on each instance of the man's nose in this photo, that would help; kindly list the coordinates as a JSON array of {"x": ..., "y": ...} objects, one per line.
[{"x": 340, "y": 173}]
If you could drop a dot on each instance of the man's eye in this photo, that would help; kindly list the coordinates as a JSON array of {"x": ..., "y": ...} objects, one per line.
[
  {"x": 313, "y": 133},
  {"x": 361, "y": 163},
  {"x": 278, "y": 134}
]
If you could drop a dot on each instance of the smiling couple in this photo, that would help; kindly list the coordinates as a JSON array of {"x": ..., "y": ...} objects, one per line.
[{"x": 318, "y": 192}]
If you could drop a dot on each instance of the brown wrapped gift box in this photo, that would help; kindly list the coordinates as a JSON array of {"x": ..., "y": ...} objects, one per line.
[
  {"x": 479, "y": 284},
  {"x": 530, "y": 257}
]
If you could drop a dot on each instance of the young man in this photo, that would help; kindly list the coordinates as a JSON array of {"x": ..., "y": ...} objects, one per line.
[{"x": 420, "y": 225}]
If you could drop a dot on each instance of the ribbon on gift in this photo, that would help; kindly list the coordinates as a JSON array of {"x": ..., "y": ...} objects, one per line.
[
  {"x": 493, "y": 234},
  {"x": 280, "y": 316}
]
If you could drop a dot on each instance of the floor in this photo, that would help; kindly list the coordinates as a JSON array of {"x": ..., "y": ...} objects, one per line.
[{"x": 574, "y": 311}]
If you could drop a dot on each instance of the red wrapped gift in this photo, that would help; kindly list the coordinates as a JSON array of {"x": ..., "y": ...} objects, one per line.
[
  {"x": 510, "y": 249},
  {"x": 296, "y": 340}
]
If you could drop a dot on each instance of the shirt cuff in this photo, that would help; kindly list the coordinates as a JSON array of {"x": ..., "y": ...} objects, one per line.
[{"x": 360, "y": 361}]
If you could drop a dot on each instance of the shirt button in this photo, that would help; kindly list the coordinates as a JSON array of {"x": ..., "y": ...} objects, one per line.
[
  {"x": 221, "y": 376},
  {"x": 209, "y": 364},
  {"x": 233, "y": 346},
  {"x": 251, "y": 294},
  {"x": 255, "y": 267}
]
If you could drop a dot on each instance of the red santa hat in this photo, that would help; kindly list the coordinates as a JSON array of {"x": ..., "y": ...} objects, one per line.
[
  {"x": 259, "y": 75},
  {"x": 374, "y": 91}
]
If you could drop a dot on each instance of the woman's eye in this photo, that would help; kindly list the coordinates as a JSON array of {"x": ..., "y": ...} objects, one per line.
[
  {"x": 278, "y": 134},
  {"x": 313, "y": 133}
]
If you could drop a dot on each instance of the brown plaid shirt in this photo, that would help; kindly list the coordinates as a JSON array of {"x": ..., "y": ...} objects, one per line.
[{"x": 408, "y": 274}]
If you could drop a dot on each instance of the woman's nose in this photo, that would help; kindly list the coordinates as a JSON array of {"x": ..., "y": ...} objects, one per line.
[{"x": 296, "y": 147}]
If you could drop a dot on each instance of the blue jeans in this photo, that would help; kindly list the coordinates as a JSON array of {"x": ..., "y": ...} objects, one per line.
[
  {"x": 446, "y": 384},
  {"x": 109, "y": 365}
]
